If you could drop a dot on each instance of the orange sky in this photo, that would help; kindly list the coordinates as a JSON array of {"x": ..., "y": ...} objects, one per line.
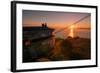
[{"x": 56, "y": 20}]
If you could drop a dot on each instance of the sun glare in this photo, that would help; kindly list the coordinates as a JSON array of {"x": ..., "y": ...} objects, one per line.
[{"x": 71, "y": 31}]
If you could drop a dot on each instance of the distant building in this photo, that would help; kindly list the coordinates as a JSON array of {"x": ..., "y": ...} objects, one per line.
[{"x": 37, "y": 33}]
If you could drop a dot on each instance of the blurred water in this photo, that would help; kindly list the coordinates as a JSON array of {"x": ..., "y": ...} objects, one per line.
[{"x": 80, "y": 33}]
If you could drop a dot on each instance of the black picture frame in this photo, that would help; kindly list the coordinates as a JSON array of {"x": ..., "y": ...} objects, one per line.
[{"x": 14, "y": 28}]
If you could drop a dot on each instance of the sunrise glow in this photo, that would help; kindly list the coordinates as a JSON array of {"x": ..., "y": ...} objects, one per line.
[
  {"x": 61, "y": 22},
  {"x": 71, "y": 31}
]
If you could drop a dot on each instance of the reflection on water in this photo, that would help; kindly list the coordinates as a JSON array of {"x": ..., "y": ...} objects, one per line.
[{"x": 81, "y": 33}]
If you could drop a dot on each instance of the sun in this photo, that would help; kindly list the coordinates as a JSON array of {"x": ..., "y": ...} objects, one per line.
[{"x": 71, "y": 34}]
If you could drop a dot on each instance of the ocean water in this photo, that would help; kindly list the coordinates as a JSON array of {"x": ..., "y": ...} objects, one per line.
[{"x": 80, "y": 33}]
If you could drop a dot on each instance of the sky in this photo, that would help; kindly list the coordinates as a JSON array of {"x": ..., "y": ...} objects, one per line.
[{"x": 56, "y": 20}]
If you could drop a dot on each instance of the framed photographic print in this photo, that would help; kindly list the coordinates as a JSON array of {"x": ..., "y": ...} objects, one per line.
[{"x": 47, "y": 36}]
